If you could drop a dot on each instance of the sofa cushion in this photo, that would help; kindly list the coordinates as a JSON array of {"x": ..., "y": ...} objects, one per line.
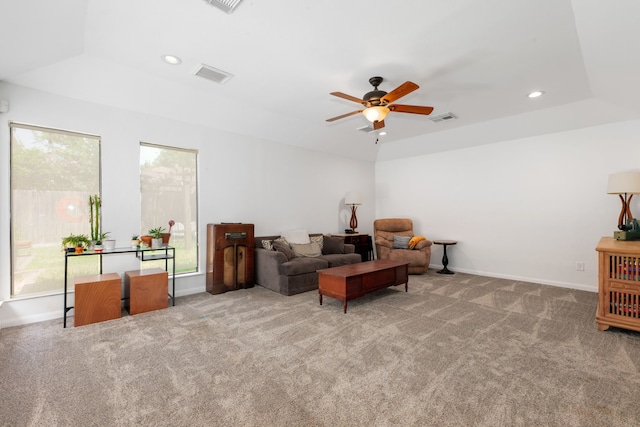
[
  {"x": 284, "y": 248},
  {"x": 317, "y": 239},
  {"x": 336, "y": 260},
  {"x": 302, "y": 266},
  {"x": 306, "y": 250},
  {"x": 296, "y": 236},
  {"x": 401, "y": 242},
  {"x": 332, "y": 245}
]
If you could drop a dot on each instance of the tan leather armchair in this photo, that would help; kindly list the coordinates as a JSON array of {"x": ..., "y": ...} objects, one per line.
[{"x": 383, "y": 232}]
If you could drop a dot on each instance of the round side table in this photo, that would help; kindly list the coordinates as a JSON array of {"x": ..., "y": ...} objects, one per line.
[{"x": 445, "y": 259}]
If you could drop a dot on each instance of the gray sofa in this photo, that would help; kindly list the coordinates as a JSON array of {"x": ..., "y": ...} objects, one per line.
[{"x": 276, "y": 270}]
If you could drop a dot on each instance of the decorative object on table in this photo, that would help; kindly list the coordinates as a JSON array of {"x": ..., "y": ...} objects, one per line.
[
  {"x": 445, "y": 259},
  {"x": 353, "y": 199},
  {"x": 166, "y": 236},
  {"x": 145, "y": 240},
  {"x": 94, "y": 216},
  {"x": 625, "y": 185},
  {"x": 75, "y": 242},
  {"x": 390, "y": 232},
  {"x": 135, "y": 241},
  {"x": 98, "y": 245},
  {"x": 156, "y": 237}
]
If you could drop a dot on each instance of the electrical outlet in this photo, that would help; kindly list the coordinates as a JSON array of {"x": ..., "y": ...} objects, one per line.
[{"x": 580, "y": 265}]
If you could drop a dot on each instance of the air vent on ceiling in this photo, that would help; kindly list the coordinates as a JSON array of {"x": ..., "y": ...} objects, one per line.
[
  {"x": 226, "y": 5},
  {"x": 443, "y": 117},
  {"x": 366, "y": 129},
  {"x": 213, "y": 74}
]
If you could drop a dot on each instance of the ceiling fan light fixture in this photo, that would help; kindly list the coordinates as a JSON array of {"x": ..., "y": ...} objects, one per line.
[{"x": 376, "y": 114}]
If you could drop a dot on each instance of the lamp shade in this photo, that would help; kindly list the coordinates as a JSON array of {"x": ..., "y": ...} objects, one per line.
[
  {"x": 624, "y": 182},
  {"x": 376, "y": 114},
  {"x": 353, "y": 198}
]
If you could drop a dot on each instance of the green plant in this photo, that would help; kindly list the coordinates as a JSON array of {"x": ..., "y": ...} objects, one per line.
[
  {"x": 94, "y": 216},
  {"x": 101, "y": 237},
  {"x": 156, "y": 233},
  {"x": 135, "y": 237},
  {"x": 75, "y": 240}
]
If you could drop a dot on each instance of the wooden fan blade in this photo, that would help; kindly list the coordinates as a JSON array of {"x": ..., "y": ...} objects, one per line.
[
  {"x": 344, "y": 115},
  {"x": 402, "y": 90},
  {"x": 413, "y": 109},
  {"x": 347, "y": 97},
  {"x": 378, "y": 125}
]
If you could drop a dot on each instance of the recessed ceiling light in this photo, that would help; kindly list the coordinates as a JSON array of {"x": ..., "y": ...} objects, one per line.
[
  {"x": 382, "y": 133},
  {"x": 171, "y": 59},
  {"x": 535, "y": 94}
]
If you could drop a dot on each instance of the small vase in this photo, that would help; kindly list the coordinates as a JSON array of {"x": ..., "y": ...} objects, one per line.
[
  {"x": 156, "y": 243},
  {"x": 79, "y": 249}
]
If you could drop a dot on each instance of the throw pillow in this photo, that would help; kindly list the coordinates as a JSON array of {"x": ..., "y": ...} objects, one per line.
[
  {"x": 401, "y": 242},
  {"x": 296, "y": 236},
  {"x": 415, "y": 240},
  {"x": 284, "y": 248},
  {"x": 267, "y": 244},
  {"x": 333, "y": 245},
  {"x": 318, "y": 239},
  {"x": 310, "y": 250}
]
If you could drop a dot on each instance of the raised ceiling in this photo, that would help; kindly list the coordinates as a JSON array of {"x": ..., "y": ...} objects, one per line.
[{"x": 475, "y": 59}]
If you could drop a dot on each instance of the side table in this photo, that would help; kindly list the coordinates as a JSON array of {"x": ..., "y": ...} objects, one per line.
[
  {"x": 362, "y": 242},
  {"x": 445, "y": 259}
]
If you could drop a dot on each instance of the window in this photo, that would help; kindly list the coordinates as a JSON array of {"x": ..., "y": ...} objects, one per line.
[
  {"x": 53, "y": 172},
  {"x": 168, "y": 189}
]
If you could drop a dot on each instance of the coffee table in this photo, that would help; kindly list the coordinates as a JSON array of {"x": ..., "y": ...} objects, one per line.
[{"x": 355, "y": 280}]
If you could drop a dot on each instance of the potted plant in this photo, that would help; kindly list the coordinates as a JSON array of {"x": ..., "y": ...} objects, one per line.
[
  {"x": 94, "y": 217},
  {"x": 135, "y": 241},
  {"x": 156, "y": 237},
  {"x": 166, "y": 236},
  {"x": 75, "y": 242},
  {"x": 100, "y": 242}
]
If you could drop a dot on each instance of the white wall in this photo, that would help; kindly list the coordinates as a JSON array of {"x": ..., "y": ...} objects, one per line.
[
  {"x": 526, "y": 209},
  {"x": 276, "y": 187}
]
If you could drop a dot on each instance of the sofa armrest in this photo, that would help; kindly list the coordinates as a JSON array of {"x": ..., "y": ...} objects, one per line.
[
  {"x": 349, "y": 248},
  {"x": 267, "y": 268}
]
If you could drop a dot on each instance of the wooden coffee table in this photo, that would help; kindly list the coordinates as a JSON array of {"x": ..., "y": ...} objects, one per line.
[{"x": 355, "y": 280}]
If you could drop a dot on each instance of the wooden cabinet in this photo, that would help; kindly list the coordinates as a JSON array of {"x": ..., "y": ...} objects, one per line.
[
  {"x": 362, "y": 242},
  {"x": 618, "y": 284},
  {"x": 230, "y": 257}
]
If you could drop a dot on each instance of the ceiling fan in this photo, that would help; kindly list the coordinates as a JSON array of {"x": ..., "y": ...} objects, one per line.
[{"x": 377, "y": 103}]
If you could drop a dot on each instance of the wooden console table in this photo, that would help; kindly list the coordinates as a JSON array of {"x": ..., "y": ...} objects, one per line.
[
  {"x": 355, "y": 280},
  {"x": 165, "y": 253},
  {"x": 618, "y": 284}
]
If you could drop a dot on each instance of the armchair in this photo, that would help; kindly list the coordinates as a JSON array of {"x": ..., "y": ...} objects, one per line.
[{"x": 383, "y": 232}]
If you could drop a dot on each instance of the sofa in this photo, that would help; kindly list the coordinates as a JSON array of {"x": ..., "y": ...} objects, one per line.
[{"x": 282, "y": 269}]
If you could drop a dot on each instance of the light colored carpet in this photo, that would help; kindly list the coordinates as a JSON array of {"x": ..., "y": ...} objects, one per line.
[{"x": 454, "y": 350}]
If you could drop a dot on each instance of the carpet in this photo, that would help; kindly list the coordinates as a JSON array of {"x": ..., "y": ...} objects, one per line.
[{"x": 455, "y": 350}]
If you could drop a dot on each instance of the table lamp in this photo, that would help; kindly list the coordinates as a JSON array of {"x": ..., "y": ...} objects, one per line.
[
  {"x": 625, "y": 185},
  {"x": 353, "y": 199}
]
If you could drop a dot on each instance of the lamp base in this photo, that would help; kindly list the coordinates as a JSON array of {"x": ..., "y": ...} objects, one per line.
[{"x": 626, "y": 235}]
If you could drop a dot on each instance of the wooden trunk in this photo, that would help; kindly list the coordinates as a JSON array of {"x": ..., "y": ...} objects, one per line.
[{"x": 230, "y": 257}]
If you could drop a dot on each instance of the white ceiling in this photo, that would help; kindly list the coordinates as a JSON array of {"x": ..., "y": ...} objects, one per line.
[{"x": 477, "y": 59}]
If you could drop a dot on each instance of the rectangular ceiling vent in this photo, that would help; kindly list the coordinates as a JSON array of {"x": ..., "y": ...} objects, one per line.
[
  {"x": 213, "y": 74},
  {"x": 366, "y": 129},
  {"x": 443, "y": 117},
  {"x": 226, "y": 5}
]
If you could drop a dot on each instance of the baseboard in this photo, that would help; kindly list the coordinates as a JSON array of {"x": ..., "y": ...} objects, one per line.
[{"x": 577, "y": 286}]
